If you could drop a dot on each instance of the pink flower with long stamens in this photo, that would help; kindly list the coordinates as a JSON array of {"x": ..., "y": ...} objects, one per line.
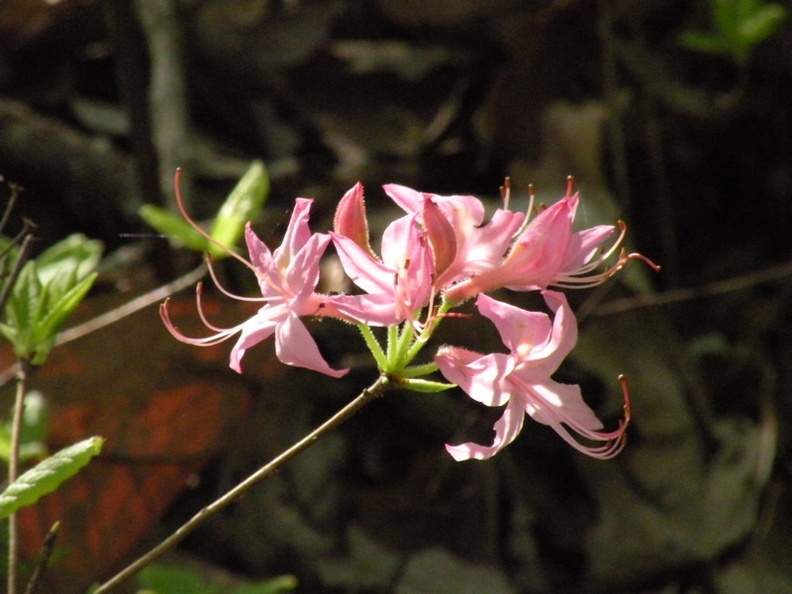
[
  {"x": 400, "y": 283},
  {"x": 287, "y": 278},
  {"x": 521, "y": 381},
  {"x": 548, "y": 253}
]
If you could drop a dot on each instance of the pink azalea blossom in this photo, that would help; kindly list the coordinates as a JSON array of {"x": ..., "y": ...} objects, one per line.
[
  {"x": 400, "y": 283},
  {"x": 545, "y": 253},
  {"x": 477, "y": 248},
  {"x": 521, "y": 381},
  {"x": 287, "y": 278}
]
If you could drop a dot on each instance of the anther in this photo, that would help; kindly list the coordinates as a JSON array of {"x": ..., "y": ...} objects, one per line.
[{"x": 570, "y": 185}]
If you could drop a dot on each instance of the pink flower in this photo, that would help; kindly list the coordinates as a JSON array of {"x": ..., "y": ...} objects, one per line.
[
  {"x": 287, "y": 278},
  {"x": 399, "y": 284},
  {"x": 546, "y": 253},
  {"x": 521, "y": 381},
  {"x": 477, "y": 248}
]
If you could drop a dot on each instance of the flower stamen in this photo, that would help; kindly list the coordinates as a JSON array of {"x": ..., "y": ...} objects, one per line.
[{"x": 197, "y": 227}]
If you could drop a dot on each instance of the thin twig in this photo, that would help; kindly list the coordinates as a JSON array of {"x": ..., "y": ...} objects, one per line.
[
  {"x": 374, "y": 391},
  {"x": 133, "y": 306},
  {"x": 15, "y": 192},
  {"x": 13, "y": 470},
  {"x": 21, "y": 260},
  {"x": 728, "y": 285},
  {"x": 47, "y": 547}
]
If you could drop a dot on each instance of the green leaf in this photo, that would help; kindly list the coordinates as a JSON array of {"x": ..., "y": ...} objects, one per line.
[
  {"x": 46, "y": 329},
  {"x": 163, "y": 579},
  {"x": 762, "y": 24},
  {"x": 243, "y": 204},
  {"x": 166, "y": 579},
  {"x": 25, "y": 299},
  {"x": 175, "y": 227},
  {"x": 46, "y": 292},
  {"x": 71, "y": 258},
  {"x": 705, "y": 43},
  {"x": 426, "y": 386},
  {"x": 740, "y": 25},
  {"x": 276, "y": 585},
  {"x": 48, "y": 475},
  {"x": 726, "y": 14}
]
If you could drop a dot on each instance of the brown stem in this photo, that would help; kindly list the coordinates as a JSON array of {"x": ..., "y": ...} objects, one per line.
[{"x": 13, "y": 470}]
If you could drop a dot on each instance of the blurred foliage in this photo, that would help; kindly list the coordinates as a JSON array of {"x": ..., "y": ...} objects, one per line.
[
  {"x": 740, "y": 25},
  {"x": 164, "y": 579}
]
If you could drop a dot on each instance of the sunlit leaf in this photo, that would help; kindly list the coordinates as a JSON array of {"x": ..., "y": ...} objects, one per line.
[
  {"x": 47, "y": 476},
  {"x": 174, "y": 227},
  {"x": 426, "y": 386},
  {"x": 47, "y": 326},
  {"x": 243, "y": 204}
]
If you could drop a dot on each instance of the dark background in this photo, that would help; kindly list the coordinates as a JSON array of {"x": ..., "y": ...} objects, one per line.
[{"x": 100, "y": 101}]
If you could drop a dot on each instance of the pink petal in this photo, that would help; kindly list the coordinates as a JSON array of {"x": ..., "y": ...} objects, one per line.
[
  {"x": 258, "y": 328},
  {"x": 374, "y": 310},
  {"x": 295, "y": 346},
  {"x": 367, "y": 273},
  {"x": 303, "y": 272},
  {"x": 507, "y": 428},
  {"x": 480, "y": 376},
  {"x": 555, "y": 403},
  {"x": 540, "y": 250},
  {"x": 563, "y": 337},
  {"x": 350, "y": 218},
  {"x": 297, "y": 233},
  {"x": 260, "y": 255},
  {"x": 407, "y": 198},
  {"x": 521, "y": 331},
  {"x": 583, "y": 245},
  {"x": 441, "y": 235}
]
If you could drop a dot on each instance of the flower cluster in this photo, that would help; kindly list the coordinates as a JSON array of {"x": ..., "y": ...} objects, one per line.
[{"x": 440, "y": 254}]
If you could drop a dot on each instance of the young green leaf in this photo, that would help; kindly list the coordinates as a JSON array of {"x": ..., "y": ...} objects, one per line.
[
  {"x": 48, "y": 475},
  {"x": 243, "y": 204},
  {"x": 45, "y": 293},
  {"x": 46, "y": 330},
  {"x": 174, "y": 226},
  {"x": 426, "y": 386},
  {"x": 72, "y": 258}
]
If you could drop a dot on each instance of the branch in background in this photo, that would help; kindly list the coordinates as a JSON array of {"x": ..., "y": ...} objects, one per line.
[
  {"x": 95, "y": 178},
  {"x": 167, "y": 99}
]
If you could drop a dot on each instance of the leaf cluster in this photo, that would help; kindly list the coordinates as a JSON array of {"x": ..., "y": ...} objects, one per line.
[{"x": 46, "y": 292}]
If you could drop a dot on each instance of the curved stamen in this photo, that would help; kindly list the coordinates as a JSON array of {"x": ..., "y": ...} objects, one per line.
[
  {"x": 197, "y": 227},
  {"x": 644, "y": 259},
  {"x": 201, "y": 314},
  {"x": 221, "y": 336},
  {"x": 576, "y": 279},
  {"x": 614, "y": 441},
  {"x": 528, "y": 211},
  {"x": 227, "y": 293}
]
